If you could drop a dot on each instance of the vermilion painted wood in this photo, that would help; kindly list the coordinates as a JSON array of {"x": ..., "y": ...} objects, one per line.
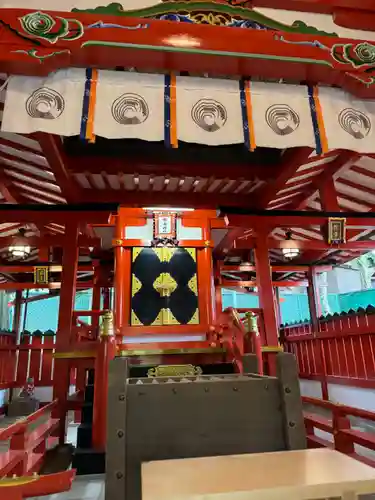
[
  {"x": 339, "y": 426},
  {"x": 346, "y": 345},
  {"x": 245, "y": 52}
]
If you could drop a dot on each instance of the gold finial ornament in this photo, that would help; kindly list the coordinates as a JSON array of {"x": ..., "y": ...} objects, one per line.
[
  {"x": 252, "y": 323},
  {"x": 106, "y": 326}
]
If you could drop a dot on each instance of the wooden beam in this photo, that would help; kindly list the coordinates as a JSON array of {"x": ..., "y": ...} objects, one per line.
[
  {"x": 244, "y": 268},
  {"x": 82, "y": 285},
  {"x": 328, "y": 196},
  {"x": 91, "y": 213},
  {"x": 138, "y": 198},
  {"x": 291, "y": 161},
  {"x": 330, "y": 169},
  {"x": 58, "y": 161},
  {"x": 227, "y": 243},
  {"x": 247, "y": 244},
  {"x": 7, "y": 190},
  {"x": 253, "y": 283},
  {"x": 289, "y": 218},
  {"x": 51, "y": 241},
  {"x": 27, "y": 268},
  {"x": 115, "y": 166}
]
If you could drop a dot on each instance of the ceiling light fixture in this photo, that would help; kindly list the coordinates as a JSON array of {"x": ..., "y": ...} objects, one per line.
[
  {"x": 290, "y": 248},
  {"x": 20, "y": 248}
]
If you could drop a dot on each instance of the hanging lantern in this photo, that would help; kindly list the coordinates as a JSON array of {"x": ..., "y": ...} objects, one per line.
[
  {"x": 289, "y": 247},
  {"x": 20, "y": 248}
]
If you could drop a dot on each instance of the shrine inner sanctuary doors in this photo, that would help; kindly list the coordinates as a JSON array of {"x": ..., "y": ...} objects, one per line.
[{"x": 164, "y": 286}]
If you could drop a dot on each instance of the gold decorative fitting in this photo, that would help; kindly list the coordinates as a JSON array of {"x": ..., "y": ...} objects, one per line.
[
  {"x": 165, "y": 284},
  {"x": 41, "y": 275},
  {"x": 192, "y": 252},
  {"x": 194, "y": 320},
  {"x": 106, "y": 327},
  {"x": 74, "y": 355},
  {"x": 163, "y": 352},
  {"x": 193, "y": 285},
  {"x": 116, "y": 243},
  {"x": 336, "y": 230},
  {"x": 252, "y": 323},
  {"x": 135, "y": 320},
  {"x": 270, "y": 348},
  {"x": 168, "y": 317},
  {"x": 175, "y": 371},
  {"x": 136, "y": 285},
  {"x": 136, "y": 252},
  {"x": 17, "y": 481}
]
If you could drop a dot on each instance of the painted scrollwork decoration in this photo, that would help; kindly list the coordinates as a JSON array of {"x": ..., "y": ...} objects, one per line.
[
  {"x": 358, "y": 55},
  {"x": 43, "y": 26}
]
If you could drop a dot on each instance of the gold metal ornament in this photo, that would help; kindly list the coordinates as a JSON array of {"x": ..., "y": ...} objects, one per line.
[
  {"x": 106, "y": 327},
  {"x": 175, "y": 371}
]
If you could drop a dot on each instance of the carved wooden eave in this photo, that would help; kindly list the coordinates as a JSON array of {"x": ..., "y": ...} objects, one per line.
[{"x": 39, "y": 42}]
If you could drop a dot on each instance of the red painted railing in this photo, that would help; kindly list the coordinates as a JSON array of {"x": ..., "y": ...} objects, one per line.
[
  {"x": 339, "y": 425},
  {"x": 231, "y": 330},
  {"x": 341, "y": 351},
  {"x": 27, "y": 440},
  {"x": 24, "y": 444},
  {"x": 32, "y": 358}
]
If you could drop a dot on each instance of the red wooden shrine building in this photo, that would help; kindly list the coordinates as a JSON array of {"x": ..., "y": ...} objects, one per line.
[{"x": 235, "y": 151}]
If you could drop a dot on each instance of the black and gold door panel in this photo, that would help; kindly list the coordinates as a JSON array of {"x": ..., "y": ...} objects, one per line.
[{"x": 164, "y": 286}]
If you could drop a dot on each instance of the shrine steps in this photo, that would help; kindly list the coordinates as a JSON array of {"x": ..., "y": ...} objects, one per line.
[{"x": 86, "y": 460}]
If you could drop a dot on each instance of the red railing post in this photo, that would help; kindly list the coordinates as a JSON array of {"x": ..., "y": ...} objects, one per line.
[
  {"x": 341, "y": 422},
  {"x": 18, "y": 443},
  {"x": 253, "y": 331},
  {"x": 106, "y": 352}
]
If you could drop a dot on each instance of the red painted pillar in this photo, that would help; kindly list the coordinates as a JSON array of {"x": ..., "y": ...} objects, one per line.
[
  {"x": 266, "y": 298},
  {"x": 122, "y": 278},
  {"x": 106, "y": 352},
  {"x": 96, "y": 299},
  {"x": 106, "y": 298},
  {"x": 277, "y": 306},
  {"x": 217, "y": 289},
  {"x": 314, "y": 303},
  {"x": 61, "y": 377},
  {"x": 205, "y": 279},
  {"x": 17, "y": 315}
]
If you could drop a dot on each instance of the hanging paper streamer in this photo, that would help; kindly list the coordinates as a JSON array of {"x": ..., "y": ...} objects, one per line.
[
  {"x": 247, "y": 115},
  {"x": 214, "y": 112},
  {"x": 88, "y": 106},
  {"x": 321, "y": 143},
  {"x": 281, "y": 115},
  {"x": 170, "y": 105},
  {"x": 209, "y": 111},
  {"x": 349, "y": 122},
  {"x": 129, "y": 105},
  {"x": 48, "y": 104}
]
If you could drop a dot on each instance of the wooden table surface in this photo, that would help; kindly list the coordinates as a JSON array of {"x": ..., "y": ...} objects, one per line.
[{"x": 287, "y": 475}]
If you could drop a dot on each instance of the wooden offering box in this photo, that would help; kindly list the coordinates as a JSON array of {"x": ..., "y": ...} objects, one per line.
[{"x": 287, "y": 475}]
